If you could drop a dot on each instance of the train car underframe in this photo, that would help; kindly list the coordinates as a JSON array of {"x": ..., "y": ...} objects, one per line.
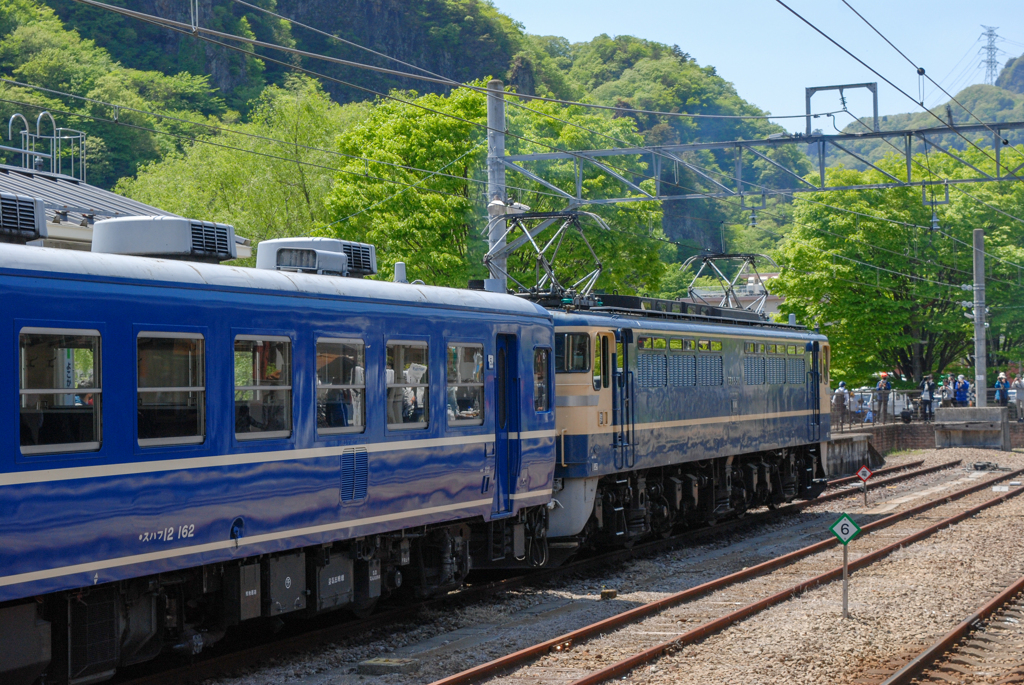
[
  {"x": 632, "y": 505},
  {"x": 84, "y": 636}
]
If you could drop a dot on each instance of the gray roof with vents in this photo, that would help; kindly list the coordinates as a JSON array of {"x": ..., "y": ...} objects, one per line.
[{"x": 66, "y": 193}]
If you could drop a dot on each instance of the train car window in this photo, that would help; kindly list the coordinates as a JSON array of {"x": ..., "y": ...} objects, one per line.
[
  {"x": 660, "y": 344},
  {"x": 619, "y": 356},
  {"x": 408, "y": 381},
  {"x": 59, "y": 390},
  {"x": 263, "y": 387},
  {"x": 465, "y": 395},
  {"x": 749, "y": 348},
  {"x": 760, "y": 348},
  {"x": 716, "y": 345},
  {"x": 675, "y": 344},
  {"x": 172, "y": 388},
  {"x": 541, "y": 379},
  {"x": 572, "y": 353},
  {"x": 340, "y": 386},
  {"x": 606, "y": 360},
  {"x": 771, "y": 349},
  {"x": 704, "y": 345},
  {"x": 792, "y": 349},
  {"x": 645, "y": 343},
  {"x": 598, "y": 365}
]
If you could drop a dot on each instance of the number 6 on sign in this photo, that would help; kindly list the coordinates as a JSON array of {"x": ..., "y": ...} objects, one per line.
[{"x": 845, "y": 529}]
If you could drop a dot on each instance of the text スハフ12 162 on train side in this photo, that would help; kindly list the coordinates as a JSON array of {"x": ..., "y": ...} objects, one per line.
[{"x": 202, "y": 445}]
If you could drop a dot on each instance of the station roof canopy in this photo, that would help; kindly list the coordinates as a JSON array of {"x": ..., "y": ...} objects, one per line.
[{"x": 75, "y": 200}]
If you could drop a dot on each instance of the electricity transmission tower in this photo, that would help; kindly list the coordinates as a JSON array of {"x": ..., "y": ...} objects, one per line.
[{"x": 991, "y": 54}]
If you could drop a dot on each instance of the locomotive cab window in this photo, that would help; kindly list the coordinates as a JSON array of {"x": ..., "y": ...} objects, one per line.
[
  {"x": 602, "y": 361},
  {"x": 572, "y": 353},
  {"x": 465, "y": 392},
  {"x": 59, "y": 390},
  {"x": 171, "y": 389},
  {"x": 408, "y": 382},
  {"x": 340, "y": 386},
  {"x": 263, "y": 387},
  {"x": 541, "y": 379}
]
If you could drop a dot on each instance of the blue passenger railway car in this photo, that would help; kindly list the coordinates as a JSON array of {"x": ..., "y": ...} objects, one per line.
[{"x": 190, "y": 446}]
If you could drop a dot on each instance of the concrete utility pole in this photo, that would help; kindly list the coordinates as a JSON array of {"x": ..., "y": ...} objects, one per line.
[
  {"x": 496, "y": 178},
  {"x": 980, "y": 384}
]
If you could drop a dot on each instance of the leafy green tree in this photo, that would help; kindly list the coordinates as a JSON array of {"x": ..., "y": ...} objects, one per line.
[
  {"x": 439, "y": 234},
  {"x": 265, "y": 189},
  {"x": 905, "y": 313}
]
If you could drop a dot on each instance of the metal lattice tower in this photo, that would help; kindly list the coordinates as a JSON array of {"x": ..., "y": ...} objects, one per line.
[{"x": 990, "y": 54}]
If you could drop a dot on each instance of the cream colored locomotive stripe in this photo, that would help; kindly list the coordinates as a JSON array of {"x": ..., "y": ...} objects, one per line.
[
  {"x": 697, "y": 422},
  {"x": 532, "y": 494},
  {"x": 79, "y": 472},
  {"x": 227, "y": 544}
]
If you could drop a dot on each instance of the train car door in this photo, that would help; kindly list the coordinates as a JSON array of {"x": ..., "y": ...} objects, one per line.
[
  {"x": 622, "y": 401},
  {"x": 506, "y": 422},
  {"x": 813, "y": 393}
]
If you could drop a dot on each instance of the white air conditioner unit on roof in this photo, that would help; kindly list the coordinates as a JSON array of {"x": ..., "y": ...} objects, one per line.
[{"x": 169, "y": 237}]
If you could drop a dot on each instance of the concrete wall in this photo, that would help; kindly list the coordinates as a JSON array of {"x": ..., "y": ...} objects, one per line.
[{"x": 896, "y": 437}]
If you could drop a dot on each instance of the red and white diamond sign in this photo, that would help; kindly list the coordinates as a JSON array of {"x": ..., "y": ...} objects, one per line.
[{"x": 864, "y": 473}]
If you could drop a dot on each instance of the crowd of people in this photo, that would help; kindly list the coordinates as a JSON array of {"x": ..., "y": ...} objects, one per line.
[{"x": 871, "y": 405}]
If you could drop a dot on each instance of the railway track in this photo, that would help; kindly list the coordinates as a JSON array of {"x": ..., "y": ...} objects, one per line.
[
  {"x": 171, "y": 671},
  {"x": 571, "y": 657},
  {"x": 986, "y": 647}
]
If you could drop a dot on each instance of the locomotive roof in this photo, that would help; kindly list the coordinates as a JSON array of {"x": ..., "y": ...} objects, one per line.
[
  {"x": 110, "y": 267},
  {"x": 695, "y": 325}
]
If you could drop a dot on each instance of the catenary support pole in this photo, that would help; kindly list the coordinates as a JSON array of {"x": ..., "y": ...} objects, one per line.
[
  {"x": 980, "y": 384},
  {"x": 496, "y": 178}
]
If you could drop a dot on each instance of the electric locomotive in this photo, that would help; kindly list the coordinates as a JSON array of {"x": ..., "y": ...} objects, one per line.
[{"x": 670, "y": 412}]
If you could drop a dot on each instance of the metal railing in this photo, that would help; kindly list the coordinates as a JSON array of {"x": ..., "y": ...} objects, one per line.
[{"x": 864, "y": 407}]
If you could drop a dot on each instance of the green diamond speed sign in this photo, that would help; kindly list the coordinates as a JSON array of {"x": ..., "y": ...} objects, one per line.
[{"x": 845, "y": 529}]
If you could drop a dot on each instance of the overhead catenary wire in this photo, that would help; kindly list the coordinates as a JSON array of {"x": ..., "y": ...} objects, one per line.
[{"x": 869, "y": 68}]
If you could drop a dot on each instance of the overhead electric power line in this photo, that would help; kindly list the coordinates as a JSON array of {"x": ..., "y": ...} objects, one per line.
[{"x": 875, "y": 72}]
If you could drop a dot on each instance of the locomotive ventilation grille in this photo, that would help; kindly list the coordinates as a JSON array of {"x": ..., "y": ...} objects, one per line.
[
  {"x": 210, "y": 238},
  {"x": 360, "y": 259},
  {"x": 18, "y": 216}
]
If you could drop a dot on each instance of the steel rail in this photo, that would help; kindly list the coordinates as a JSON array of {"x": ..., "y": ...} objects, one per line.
[
  {"x": 931, "y": 654},
  {"x": 562, "y": 642},
  {"x": 718, "y": 624},
  {"x": 839, "y": 494},
  {"x": 879, "y": 472}
]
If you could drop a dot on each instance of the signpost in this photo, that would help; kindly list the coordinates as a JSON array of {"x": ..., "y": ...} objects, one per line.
[
  {"x": 864, "y": 473},
  {"x": 846, "y": 529}
]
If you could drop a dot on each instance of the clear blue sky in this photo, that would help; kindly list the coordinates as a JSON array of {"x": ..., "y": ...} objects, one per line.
[{"x": 771, "y": 56}]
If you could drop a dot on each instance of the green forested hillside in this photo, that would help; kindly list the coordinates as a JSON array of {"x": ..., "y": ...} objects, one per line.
[{"x": 272, "y": 156}]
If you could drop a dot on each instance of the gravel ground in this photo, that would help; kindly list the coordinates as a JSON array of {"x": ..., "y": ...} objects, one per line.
[{"x": 449, "y": 641}]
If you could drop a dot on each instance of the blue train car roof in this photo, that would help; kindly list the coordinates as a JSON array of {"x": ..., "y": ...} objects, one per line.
[
  {"x": 41, "y": 261},
  {"x": 708, "y": 327}
]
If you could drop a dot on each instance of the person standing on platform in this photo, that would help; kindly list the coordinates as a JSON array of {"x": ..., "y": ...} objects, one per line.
[
  {"x": 927, "y": 395},
  {"x": 946, "y": 392},
  {"x": 1002, "y": 390},
  {"x": 840, "y": 401},
  {"x": 960, "y": 391},
  {"x": 883, "y": 388}
]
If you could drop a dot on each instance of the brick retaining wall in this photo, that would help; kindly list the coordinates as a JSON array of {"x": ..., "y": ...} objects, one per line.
[{"x": 896, "y": 437}]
